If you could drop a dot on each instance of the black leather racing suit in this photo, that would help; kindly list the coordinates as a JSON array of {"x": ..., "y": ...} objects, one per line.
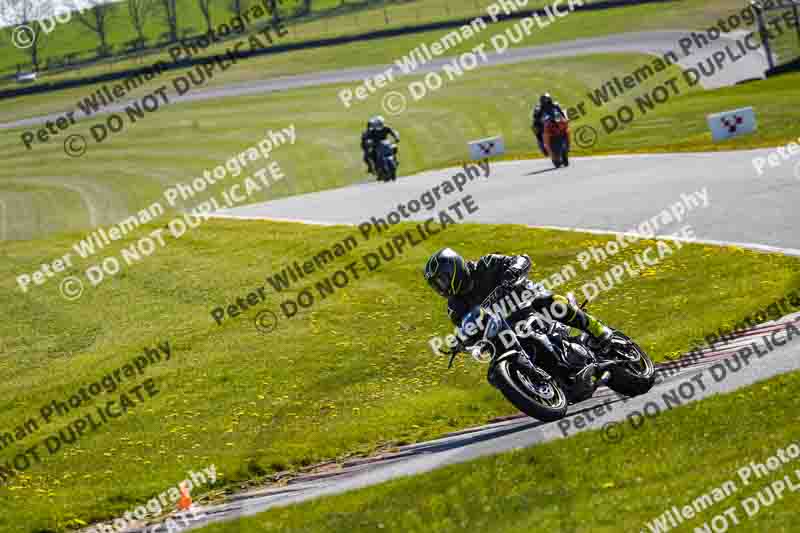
[
  {"x": 491, "y": 271},
  {"x": 376, "y": 136}
]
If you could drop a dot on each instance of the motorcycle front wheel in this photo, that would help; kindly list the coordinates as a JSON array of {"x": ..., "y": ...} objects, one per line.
[
  {"x": 537, "y": 398},
  {"x": 557, "y": 151}
]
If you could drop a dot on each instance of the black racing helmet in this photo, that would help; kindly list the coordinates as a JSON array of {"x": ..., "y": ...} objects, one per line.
[
  {"x": 545, "y": 99},
  {"x": 447, "y": 273}
]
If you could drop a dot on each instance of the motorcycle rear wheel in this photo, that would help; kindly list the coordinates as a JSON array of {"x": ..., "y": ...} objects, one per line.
[
  {"x": 636, "y": 376},
  {"x": 516, "y": 382}
]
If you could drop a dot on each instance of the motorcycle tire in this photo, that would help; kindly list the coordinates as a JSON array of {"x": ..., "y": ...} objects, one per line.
[
  {"x": 510, "y": 378},
  {"x": 635, "y": 378},
  {"x": 556, "y": 153}
]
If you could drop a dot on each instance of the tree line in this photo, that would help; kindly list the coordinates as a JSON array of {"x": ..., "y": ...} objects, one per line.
[{"x": 96, "y": 17}]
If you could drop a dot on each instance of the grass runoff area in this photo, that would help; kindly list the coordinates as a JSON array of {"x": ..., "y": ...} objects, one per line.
[
  {"x": 585, "y": 484},
  {"x": 352, "y": 374},
  {"x": 128, "y": 170},
  {"x": 682, "y": 14}
]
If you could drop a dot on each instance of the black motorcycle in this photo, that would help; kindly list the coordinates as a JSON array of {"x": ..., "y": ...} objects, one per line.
[
  {"x": 542, "y": 369},
  {"x": 385, "y": 161}
]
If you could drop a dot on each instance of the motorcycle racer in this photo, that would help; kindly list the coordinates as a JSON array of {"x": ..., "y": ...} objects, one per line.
[
  {"x": 376, "y": 131},
  {"x": 546, "y": 106},
  {"x": 467, "y": 284}
]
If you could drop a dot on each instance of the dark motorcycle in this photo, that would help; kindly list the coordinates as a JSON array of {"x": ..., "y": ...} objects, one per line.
[
  {"x": 386, "y": 161},
  {"x": 556, "y": 138},
  {"x": 542, "y": 369}
]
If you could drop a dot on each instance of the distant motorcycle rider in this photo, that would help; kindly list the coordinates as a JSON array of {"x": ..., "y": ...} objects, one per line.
[
  {"x": 467, "y": 284},
  {"x": 546, "y": 106},
  {"x": 377, "y": 131}
]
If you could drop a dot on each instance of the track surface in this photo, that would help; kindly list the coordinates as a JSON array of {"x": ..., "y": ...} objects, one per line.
[
  {"x": 605, "y": 193},
  {"x": 657, "y": 43},
  {"x": 609, "y": 193}
]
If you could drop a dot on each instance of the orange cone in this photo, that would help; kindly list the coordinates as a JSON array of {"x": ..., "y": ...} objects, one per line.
[{"x": 186, "y": 500}]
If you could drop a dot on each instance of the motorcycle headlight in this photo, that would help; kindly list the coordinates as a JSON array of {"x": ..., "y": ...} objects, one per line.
[{"x": 493, "y": 327}]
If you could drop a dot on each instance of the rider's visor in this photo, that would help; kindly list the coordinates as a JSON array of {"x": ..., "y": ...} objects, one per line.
[{"x": 439, "y": 285}]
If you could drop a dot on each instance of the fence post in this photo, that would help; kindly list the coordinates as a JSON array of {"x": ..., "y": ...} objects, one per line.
[
  {"x": 764, "y": 35},
  {"x": 797, "y": 21}
]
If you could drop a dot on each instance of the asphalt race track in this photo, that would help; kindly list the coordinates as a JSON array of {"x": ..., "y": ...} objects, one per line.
[
  {"x": 604, "y": 193},
  {"x": 612, "y": 193},
  {"x": 657, "y": 43}
]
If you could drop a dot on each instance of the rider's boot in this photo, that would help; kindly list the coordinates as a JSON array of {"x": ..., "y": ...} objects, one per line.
[{"x": 600, "y": 334}]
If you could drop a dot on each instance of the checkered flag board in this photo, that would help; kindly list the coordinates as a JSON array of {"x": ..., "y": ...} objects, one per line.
[
  {"x": 486, "y": 148},
  {"x": 732, "y": 123}
]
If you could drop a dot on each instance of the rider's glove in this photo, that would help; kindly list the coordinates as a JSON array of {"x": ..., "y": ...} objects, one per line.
[{"x": 511, "y": 278}]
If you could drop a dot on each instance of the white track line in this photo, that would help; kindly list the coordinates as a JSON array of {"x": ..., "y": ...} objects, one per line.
[{"x": 765, "y": 248}]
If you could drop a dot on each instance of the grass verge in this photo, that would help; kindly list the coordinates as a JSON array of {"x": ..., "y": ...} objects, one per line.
[
  {"x": 584, "y": 484},
  {"x": 346, "y": 376}
]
